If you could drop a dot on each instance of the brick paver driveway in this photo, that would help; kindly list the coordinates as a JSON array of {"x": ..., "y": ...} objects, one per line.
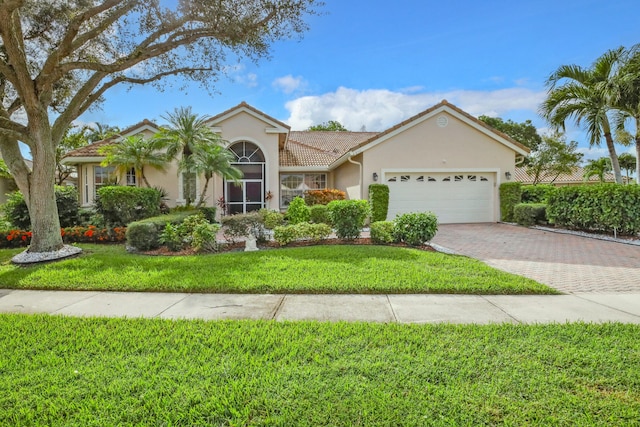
[{"x": 565, "y": 262}]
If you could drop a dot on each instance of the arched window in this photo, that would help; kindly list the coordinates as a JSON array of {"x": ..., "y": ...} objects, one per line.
[{"x": 248, "y": 194}]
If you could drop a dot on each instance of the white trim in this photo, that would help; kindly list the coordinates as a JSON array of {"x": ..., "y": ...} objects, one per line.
[
  {"x": 301, "y": 169},
  {"x": 137, "y": 130},
  {"x": 265, "y": 153},
  {"x": 87, "y": 159}
]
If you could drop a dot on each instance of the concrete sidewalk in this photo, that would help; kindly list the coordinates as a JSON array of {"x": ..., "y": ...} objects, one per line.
[{"x": 587, "y": 307}]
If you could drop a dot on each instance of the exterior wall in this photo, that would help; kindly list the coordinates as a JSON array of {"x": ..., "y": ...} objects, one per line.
[
  {"x": 245, "y": 127},
  {"x": 346, "y": 177},
  {"x": 429, "y": 147}
]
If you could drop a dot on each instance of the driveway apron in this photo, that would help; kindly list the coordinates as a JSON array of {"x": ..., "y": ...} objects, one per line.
[{"x": 568, "y": 263}]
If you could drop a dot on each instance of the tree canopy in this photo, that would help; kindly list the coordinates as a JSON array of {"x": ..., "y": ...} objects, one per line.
[
  {"x": 60, "y": 58},
  {"x": 553, "y": 157},
  {"x": 331, "y": 125},
  {"x": 525, "y": 133}
]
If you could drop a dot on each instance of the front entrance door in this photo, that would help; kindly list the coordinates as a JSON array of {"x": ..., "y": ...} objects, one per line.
[{"x": 245, "y": 196}]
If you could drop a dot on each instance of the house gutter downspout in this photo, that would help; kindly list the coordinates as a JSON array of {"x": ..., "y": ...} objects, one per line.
[{"x": 351, "y": 154}]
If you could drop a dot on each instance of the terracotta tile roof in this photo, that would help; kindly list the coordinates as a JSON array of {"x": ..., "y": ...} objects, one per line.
[
  {"x": 91, "y": 150},
  {"x": 319, "y": 148},
  {"x": 576, "y": 177}
]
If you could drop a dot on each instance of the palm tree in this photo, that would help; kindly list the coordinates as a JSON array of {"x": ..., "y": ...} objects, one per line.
[
  {"x": 585, "y": 95},
  {"x": 213, "y": 160},
  {"x": 135, "y": 152},
  {"x": 102, "y": 131},
  {"x": 599, "y": 168},
  {"x": 188, "y": 138},
  {"x": 627, "y": 99},
  {"x": 627, "y": 163}
]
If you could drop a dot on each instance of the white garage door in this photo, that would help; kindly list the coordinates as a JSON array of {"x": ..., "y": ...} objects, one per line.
[{"x": 454, "y": 197}]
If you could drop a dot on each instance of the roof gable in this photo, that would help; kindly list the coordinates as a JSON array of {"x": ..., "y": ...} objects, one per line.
[{"x": 275, "y": 125}]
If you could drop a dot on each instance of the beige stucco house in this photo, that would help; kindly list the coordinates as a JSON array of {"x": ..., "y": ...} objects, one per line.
[{"x": 442, "y": 160}]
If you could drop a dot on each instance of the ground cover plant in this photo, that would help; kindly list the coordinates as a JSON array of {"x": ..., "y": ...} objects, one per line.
[
  {"x": 313, "y": 269},
  {"x": 94, "y": 372}
]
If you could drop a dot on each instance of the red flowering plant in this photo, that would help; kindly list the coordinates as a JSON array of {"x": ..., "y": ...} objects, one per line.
[{"x": 14, "y": 238}]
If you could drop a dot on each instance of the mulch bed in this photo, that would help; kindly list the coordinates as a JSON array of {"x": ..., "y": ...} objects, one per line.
[{"x": 239, "y": 246}]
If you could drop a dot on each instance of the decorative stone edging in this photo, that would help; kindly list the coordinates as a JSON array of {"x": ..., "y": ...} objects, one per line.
[{"x": 27, "y": 257}]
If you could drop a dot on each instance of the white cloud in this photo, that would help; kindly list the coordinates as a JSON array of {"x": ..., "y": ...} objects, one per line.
[
  {"x": 379, "y": 109},
  {"x": 289, "y": 84}
]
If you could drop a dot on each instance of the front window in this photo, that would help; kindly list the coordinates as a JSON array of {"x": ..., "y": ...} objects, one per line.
[
  {"x": 131, "y": 177},
  {"x": 294, "y": 185},
  {"x": 102, "y": 176}
]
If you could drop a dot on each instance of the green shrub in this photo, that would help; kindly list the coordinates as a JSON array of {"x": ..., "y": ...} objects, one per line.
[
  {"x": 323, "y": 197},
  {"x": 16, "y": 212},
  {"x": 209, "y": 213},
  {"x": 601, "y": 207},
  {"x": 348, "y": 217},
  {"x": 528, "y": 214},
  {"x": 298, "y": 211},
  {"x": 510, "y": 195},
  {"x": 382, "y": 232},
  {"x": 415, "y": 229},
  {"x": 204, "y": 237},
  {"x": 121, "y": 205},
  {"x": 301, "y": 231},
  {"x": 271, "y": 219},
  {"x": 172, "y": 238},
  {"x": 379, "y": 200},
  {"x": 538, "y": 193},
  {"x": 239, "y": 226},
  {"x": 319, "y": 214},
  {"x": 145, "y": 234}
]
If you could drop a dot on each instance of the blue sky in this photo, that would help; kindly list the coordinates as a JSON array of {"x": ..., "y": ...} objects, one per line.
[{"x": 370, "y": 66}]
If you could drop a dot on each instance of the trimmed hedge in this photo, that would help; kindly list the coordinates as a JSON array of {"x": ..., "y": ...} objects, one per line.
[
  {"x": 528, "y": 214},
  {"x": 415, "y": 229},
  {"x": 237, "y": 226},
  {"x": 301, "y": 231},
  {"x": 298, "y": 211},
  {"x": 144, "y": 235},
  {"x": 510, "y": 195},
  {"x": 382, "y": 232},
  {"x": 120, "y": 205},
  {"x": 319, "y": 214},
  {"x": 538, "y": 193},
  {"x": 348, "y": 217},
  {"x": 600, "y": 207},
  {"x": 379, "y": 200}
]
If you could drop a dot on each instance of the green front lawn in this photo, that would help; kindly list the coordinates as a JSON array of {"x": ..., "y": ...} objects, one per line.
[
  {"x": 315, "y": 269},
  {"x": 60, "y": 371}
]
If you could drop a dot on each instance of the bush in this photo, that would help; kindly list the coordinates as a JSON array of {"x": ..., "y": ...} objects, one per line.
[
  {"x": 120, "y": 205},
  {"x": 238, "y": 226},
  {"x": 93, "y": 234},
  {"x": 601, "y": 207},
  {"x": 379, "y": 200},
  {"x": 528, "y": 214},
  {"x": 538, "y": 193},
  {"x": 510, "y": 195},
  {"x": 144, "y": 235},
  {"x": 323, "y": 197},
  {"x": 348, "y": 217},
  {"x": 195, "y": 232},
  {"x": 301, "y": 231},
  {"x": 209, "y": 213},
  {"x": 382, "y": 232},
  {"x": 271, "y": 219},
  {"x": 415, "y": 229},
  {"x": 16, "y": 212},
  {"x": 298, "y": 211},
  {"x": 319, "y": 214}
]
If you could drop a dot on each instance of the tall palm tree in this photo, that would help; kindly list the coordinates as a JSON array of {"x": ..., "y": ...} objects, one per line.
[
  {"x": 135, "y": 152},
  {"x": 213, "y": 160},
  {"x": 585, "y": 95},
  {"x": 627, "y": 99},
  {"x": 627, "y": 163},
  {"x": 599, "y": 167}
]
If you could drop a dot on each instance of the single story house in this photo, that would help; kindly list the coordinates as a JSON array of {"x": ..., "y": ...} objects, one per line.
[
  {"x": 576, "y": 177},
  {"x": 442, "y": 160}
]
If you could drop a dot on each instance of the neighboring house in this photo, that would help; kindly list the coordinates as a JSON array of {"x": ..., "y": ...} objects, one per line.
[
  {"x": 576, "y": 177},
  {"x": 442, "y": 160}
]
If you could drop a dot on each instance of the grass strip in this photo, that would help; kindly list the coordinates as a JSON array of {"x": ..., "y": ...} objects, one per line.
[
  {"x": 60, "y": 371},
  {"x": 315, "y": 269}
]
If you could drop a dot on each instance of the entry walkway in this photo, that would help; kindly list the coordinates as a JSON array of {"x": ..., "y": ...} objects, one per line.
[
  {"x": 587, "y": 307},
  {"x": 568, "y": 263}
]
